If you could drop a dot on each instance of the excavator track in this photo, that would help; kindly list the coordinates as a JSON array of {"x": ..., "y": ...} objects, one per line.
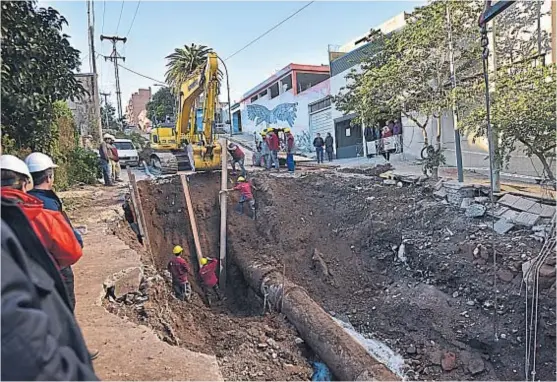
[{"x": 170, "y": 162}]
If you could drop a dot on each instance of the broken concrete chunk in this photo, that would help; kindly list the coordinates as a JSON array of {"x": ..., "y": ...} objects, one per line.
[
  {"x": 510, "y": 215},
  {"x": 481, "y": 199},
  {"x": 476, "y": 366},
  {"x": 440, "y": 194},
  {"x": 448, "y": 362},
  {"x": 466, "y": 202},
  {"x": 502, "y": 226},
  {"x": 523, "y": 204},
  {"x": 498, "y": 211},
  {"x": 547, "y": 211},
  {"x": 439, "y": 185},
  {"x": 505, "y": 275},
  {"x": 547, "y": 271},
  {"x": 526, "y": 219},
  {"x": 508, "y": 200},
  {"x": 475, "y": 211},
  {"x": 389, "y": 182},
  {"x": 125, "y": 281}
]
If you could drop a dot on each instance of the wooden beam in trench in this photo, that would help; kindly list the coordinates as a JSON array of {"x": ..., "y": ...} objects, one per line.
[{"x": 193, "y": 222}]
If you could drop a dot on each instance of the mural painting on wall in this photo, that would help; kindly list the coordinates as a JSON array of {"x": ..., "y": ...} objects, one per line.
[{"x": 284, "y": 112}]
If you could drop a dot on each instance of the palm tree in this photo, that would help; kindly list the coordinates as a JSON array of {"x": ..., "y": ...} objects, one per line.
[{"x": 183, "y": 62}]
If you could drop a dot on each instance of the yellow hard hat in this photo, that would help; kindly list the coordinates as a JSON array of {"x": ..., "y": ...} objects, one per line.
[
  {"x": 177, "y": 250},
  {"x": 287, "y": 130},
  {"x": 204, "y": 261},
  {"x": 241, "y": 179},
  {"x": 263, "y": 132}
]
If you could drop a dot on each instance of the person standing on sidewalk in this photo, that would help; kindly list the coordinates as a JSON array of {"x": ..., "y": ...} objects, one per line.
[
  {"x": 114, "y": 160},
  {"x": 41, "y": 340},
  {"x": 329, "y": 146},
  {"x": 289, "y": 150},
  {"x": 42, "y": 168},
  {"x": 318, "y": 143},
  {"x": 274, "y": 146},
  {"x": 178, "y": 268},
  {"x": 105, "y": 160},
  {"x": 265, "y": 151}
]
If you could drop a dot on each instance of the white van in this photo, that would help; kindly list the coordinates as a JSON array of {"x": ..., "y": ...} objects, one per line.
[{"x": 127, "y": 153}]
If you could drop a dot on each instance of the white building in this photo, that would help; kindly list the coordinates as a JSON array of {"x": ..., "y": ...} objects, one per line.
[{"x": 282, "y": 100}]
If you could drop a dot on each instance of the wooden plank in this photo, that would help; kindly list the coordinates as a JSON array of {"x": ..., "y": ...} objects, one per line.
[
  {"x": 223, "y": 211},
  {"x": 193, "y": 222},
  {"x": 136, "y": 200}
]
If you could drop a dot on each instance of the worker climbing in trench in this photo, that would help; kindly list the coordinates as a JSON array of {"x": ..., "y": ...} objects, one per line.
[
  {"x": 208, "y": 273},
  {"x": 178, "y": 268},
  {"x": 246, "y": 195}
]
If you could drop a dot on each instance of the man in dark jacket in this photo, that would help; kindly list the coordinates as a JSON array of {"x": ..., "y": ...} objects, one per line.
[
  {"x": 40, "y": 338},
  {"x": 329, "y": 146},
  {"x": 318, "y": 143},
  {"x": 104, "y": 153}
]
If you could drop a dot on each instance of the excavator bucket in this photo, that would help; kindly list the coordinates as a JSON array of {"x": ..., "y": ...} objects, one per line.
[{"x": 207, "y": 157}]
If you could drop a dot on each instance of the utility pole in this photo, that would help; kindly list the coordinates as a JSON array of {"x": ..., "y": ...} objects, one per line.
[
  {"x": 458, "y": 150},
  {"x": 105, "y": 95},
  {"x": 93, "y": 64},
  {"x": 553, "y": 30},
  {"x": 114, "y": 57}
]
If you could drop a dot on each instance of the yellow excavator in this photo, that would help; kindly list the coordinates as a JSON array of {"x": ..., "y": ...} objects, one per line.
[{"x": 168, "y": 143}]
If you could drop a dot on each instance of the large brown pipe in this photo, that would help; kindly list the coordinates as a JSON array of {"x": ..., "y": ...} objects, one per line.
[{"x": 345, "y": 356}]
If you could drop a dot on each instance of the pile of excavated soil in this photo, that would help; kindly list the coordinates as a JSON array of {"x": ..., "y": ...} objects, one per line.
[
  {"x": 434, "y": 301},
  {"x": 249, "y": 345}
]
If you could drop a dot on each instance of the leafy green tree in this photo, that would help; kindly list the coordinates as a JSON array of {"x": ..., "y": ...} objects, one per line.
[
  {"x": 37, "y": 69},
  {"x": 523, "y": 112},
  {"x": 108, "y": 117},
  {"x": 161, "y": 105}
]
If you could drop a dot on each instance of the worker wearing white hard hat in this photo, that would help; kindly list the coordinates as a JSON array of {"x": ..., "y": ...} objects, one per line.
[
  {"x": 15, "y": 173},
  {"x": 41, "y": 168},
  {"x": 104, "y": 153}
]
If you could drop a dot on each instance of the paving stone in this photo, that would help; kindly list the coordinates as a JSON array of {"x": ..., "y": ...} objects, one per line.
[
  {"x": 526, "y": 219},
  {"x": 498, "y": 211},
  {"x": 510, "y": 215},
  {"x": 535, "y": 209},
  {"x": 508, "y": 200},
  {"x": 547, "y": 211},
  {"x": 523, "y": 204},
  {"x": 502, "y": 226}
]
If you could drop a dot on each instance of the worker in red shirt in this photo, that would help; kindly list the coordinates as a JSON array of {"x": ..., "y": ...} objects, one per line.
[
  {"x": 289, "y": 149},
  {"x": 274, "y": 146},
  {"x": 246, "y": 195},
  {"x": 178, "y": 268},
  {"x": 237, "y": 157},
  {"x": 208, "y": 273}
]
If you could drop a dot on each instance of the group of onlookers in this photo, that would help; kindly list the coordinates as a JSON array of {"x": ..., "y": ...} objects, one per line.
[
  {"x": 326, "y": 145},
  {"x": 41, "y": 339},
  {"x": 110, "y": 162}
]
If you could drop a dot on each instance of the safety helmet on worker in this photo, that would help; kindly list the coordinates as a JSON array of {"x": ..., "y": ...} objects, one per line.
[
  {"x": 241, "y": 179},
  {"x": 177, "y": 250},
  {"x": 231, "y": 146},
  {"x": 13, "y": 163},
  {"x": 287, "y": 130},
  {"x": 107, "y": 136},
  {"x": 37, "y": 162},
  {"x": 204, "y": 261}
]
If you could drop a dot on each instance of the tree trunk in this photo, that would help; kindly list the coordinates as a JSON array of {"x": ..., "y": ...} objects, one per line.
[{"x": 547, "y": 168}]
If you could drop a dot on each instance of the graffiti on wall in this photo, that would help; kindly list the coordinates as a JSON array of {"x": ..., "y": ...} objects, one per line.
[
  {"x": 283, "y": 112},
  {"x": 304, "y": 143}
]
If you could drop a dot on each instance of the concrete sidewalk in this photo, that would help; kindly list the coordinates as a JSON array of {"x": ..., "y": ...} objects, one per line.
[{"x": 128, "y": 351}]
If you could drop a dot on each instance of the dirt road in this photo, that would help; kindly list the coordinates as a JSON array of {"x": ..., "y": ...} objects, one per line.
[{"x": 128, "y": 351}]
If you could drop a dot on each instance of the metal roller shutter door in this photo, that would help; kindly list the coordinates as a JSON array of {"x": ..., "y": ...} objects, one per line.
[{"x": 321, "y": 122}]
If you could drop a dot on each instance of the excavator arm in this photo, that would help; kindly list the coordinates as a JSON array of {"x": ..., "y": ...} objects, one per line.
[{"x": 211, "y": 97}]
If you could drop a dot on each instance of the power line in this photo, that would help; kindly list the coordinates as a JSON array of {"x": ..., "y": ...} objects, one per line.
[
  {"x": 133, "y": 20},
  {"x": 119, "y": 18},
  {"x": 141, "y": 75},
  {"x": 269, "y": 30}
]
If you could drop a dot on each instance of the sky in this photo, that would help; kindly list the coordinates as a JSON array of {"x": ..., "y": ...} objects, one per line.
[{"x": 226, "y": 26}]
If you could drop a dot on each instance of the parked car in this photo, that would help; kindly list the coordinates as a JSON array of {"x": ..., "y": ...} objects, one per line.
[{"x": 127, "y": 152}]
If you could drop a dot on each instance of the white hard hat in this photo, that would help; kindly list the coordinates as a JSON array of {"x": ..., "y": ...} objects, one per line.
[
  {"x": 13, "y": 163},
  {"x": 39, "y": 162},
  {"x": 106, "y": 136},
  {"x": 112, "y": 137}
]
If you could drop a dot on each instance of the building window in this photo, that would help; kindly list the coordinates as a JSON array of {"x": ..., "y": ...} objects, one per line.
[
  {"x": 308, "y": 80},
  {"x": 286, "y": 83},
  {"x": 274, "y": 90},
  {"x": 320, "y": 105},
  {"x": 263, "y": 94},
  {"x": 254, "y": 98}
]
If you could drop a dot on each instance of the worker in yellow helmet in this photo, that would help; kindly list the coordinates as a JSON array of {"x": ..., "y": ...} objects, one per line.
[
  {"x": 289, "y": 138},
  {"x": 208, "y": 273},
  {"x": 178, "y": 268},
  {"x": 246, "y": 195}
]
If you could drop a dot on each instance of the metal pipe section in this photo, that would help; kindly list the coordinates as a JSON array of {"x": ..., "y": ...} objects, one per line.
[{"x": 343, "y": 354}]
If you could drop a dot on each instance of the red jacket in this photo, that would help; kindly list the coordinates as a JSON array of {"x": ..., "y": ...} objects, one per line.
[
  {"x": 245, "y": 189},
  {"x": 289, "y": 142},
  {"x": 178, "y": 268},
  {"x": 237, "y": 153},
  {"x": 51, "y": 227},
  {"x": 208, "y": 273},
  {"x": 273, "y": 142}
]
